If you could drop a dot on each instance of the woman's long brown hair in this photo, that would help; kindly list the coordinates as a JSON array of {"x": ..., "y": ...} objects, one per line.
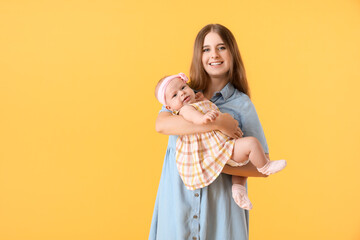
[{"x": 237, "y": 76}]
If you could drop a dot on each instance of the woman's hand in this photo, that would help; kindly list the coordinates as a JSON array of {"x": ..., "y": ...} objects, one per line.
[{"x": 228, "y": 125}]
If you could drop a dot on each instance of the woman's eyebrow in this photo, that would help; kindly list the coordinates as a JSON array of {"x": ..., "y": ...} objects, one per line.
[{"x": 216, "y": 45}]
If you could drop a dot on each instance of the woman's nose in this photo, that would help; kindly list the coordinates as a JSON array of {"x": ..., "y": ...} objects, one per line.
[{"x": 215, "y": 54}]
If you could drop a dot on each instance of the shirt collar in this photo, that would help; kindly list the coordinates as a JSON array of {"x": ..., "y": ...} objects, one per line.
[{"x": 226, "y": 92}]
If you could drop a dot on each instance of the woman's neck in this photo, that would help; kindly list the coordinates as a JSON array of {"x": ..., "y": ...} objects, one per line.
[{"x": 216, "y": 84}]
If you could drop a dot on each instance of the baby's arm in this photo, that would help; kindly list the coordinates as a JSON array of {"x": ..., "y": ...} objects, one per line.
[{"x": 194, "y": 116}]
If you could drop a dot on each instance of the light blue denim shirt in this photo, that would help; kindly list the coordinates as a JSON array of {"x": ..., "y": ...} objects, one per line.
[{"x": 209, "y": 213}]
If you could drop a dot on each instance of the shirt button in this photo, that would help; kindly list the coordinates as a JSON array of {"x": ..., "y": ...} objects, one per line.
[
  {"x": 195, "y": 216},
  {"x": 194, "y": 238},
  {"x": 196, "y": 194}
]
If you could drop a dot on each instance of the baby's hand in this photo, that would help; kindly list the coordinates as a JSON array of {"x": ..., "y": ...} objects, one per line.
[
  {"x": 199, "y": 96},
  {"x": 210, "y": 116}
]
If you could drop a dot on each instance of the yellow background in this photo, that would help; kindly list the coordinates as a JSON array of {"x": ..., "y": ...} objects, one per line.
[{"x": 79, "y": 156}]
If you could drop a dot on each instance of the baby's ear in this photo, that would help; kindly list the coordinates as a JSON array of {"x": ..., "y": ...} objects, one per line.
[{"x": 168, "y": 108}]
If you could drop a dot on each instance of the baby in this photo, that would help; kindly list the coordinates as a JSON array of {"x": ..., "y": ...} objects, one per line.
[{"x": 201, "y": 157}]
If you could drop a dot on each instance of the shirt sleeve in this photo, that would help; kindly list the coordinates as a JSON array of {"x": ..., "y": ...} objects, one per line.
[
  {"x": 250, "y": 123},
  {"x": 163, "y": 109}
]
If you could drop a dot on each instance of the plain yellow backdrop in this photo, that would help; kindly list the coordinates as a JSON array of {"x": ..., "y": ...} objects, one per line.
[{"x": 79, "y": 156}]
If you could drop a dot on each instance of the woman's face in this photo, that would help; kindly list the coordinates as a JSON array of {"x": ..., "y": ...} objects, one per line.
[{"x": 216, "y": 57}]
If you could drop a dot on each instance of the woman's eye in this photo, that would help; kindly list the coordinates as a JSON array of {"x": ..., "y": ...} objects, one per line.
[
  {"x": 206, "y": 49},
  {"x": 222, "y": 48}
]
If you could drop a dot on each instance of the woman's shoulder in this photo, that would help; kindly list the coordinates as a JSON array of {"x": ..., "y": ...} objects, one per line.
[
  {"x": 240, "y": 96},
  {"x": 240, "y": 103}
]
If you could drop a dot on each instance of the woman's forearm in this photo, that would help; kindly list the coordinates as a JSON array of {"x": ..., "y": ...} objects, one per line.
[
  {"x": 249, "y": 170},
  {"x": 169, "y": 124}
]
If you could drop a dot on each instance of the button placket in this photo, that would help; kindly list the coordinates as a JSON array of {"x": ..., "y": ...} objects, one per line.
[{"x": 196, "y": 215}]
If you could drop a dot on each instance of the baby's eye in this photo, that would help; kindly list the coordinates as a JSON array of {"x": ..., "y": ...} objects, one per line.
[
  {"x": 183, "y": 87},
  {"x": 174, "y": 95}
]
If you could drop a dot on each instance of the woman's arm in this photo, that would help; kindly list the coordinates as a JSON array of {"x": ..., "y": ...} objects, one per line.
[
  {"x": 252, "y": 127},
  {"x": 249, "y": 170},
  {"x": 169, "y": 124},
  {"x": 250, "y": 123}
]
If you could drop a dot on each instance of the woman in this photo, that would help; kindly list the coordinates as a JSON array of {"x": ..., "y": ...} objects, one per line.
[{"x": 208, "y": 213}]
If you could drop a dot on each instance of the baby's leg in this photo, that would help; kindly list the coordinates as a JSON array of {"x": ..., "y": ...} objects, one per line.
[
  {"x": 239, "y": 192},
  {"x": 250, "y": 148}
]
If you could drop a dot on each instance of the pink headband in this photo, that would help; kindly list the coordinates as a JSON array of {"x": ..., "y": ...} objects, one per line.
[{"x": 165, "y": 83}]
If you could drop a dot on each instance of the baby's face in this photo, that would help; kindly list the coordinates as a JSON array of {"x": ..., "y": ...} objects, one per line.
[{"x": 178, "y": 93}]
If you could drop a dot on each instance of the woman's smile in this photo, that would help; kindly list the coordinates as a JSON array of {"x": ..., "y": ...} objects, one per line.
[{"x": 216, "y": 63}]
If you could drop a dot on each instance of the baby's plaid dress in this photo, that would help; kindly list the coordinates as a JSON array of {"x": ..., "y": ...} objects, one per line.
[{"x": 201, "y": 157}]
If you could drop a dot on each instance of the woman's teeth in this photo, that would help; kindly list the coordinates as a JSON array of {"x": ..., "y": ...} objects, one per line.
[{"x": 217, "y": 63}]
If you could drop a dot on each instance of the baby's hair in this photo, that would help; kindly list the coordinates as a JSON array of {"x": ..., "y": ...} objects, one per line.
[{"x": 158, "y": 85}]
